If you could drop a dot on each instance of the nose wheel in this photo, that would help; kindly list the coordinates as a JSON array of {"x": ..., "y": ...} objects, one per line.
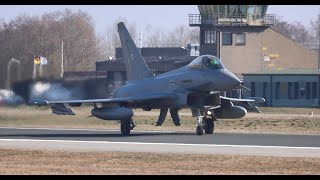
[
  {"x": 208, "y": 125},
  {"x": 199, "y": 130},
  {"x": 199, "y": 127},
  {"x": 205, "y": 124}
]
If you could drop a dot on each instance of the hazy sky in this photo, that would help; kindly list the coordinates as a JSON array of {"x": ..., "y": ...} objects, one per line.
[{"x": 164, "y": 16}]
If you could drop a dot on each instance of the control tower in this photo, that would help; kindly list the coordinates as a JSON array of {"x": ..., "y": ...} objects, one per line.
[
  {"x": 236, "y": 15},
  {"x": 214, "y": 20}
]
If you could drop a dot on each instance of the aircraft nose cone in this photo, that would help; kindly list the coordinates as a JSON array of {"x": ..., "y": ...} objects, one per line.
[
  {"x": 234, "y": 80},
  {"x": 230, "y": 80}
]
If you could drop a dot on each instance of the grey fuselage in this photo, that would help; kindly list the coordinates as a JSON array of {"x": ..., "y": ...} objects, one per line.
[{"x": 194, "y": 77}]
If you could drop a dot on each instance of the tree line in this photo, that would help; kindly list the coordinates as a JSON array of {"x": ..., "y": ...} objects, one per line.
[
  {"x": 297, "y": 31},
  {"x": 26, "y": 37},
  {"x": 179, "y": 36}
]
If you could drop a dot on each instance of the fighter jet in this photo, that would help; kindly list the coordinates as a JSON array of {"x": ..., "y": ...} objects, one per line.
[{"x": 195, "y": 86}]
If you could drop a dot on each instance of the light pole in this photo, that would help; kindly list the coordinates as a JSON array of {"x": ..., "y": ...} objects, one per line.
[
  {"x": 62, "y": 70},
  {"x": 318, "y": 40}
]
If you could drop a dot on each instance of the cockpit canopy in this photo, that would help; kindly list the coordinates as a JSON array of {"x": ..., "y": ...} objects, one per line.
[{"x": 207, "y": 61}]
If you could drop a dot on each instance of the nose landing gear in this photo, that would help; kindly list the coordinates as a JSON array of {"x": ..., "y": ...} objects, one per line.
[{"x": 204, "y": 123}]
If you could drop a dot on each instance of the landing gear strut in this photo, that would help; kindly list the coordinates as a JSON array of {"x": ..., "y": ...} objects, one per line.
[{"x": 199, "y": 127}]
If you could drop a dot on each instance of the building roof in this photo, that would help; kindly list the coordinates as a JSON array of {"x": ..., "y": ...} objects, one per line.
[
  {"x": 299, "y": 71},
  {"x": 158, "y": 51},
  {"x": 85, "y": 73},
  {"x": 165, "y": 64}
]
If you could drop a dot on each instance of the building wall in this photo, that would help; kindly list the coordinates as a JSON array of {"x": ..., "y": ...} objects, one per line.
[
  {"x": 243, "y": 58},
  {"x": 279, "y": 97},
  {"x": 208, "y": 49},
  {"x": 261, "y": 43},
  {"x": 291, "y": 54}
]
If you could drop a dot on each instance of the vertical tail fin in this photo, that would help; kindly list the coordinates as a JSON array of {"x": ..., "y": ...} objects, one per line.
[{"x": 136, "y": 66}]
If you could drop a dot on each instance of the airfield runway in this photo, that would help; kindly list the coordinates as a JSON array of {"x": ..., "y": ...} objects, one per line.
[{"x": 161, "y": 142}]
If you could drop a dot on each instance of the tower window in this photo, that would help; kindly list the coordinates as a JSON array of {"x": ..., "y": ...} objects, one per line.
[
  {"x": 226, "y": 38},
  {"x": 209, "y": 36},
  {"x": 240, "y": 39}
]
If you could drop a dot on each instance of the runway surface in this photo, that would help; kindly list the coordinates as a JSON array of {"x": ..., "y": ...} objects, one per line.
[{"x": 161, "y": 142}]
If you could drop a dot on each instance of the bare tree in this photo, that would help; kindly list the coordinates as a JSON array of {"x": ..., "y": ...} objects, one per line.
[
  {"x": 111, "y": 39},
  {"x": 180, "y": 36},
  {"x": 154, "y": 38},
  {"x": 26, "y": 36},
  {"x": 315, "y": 26},
  {"x": 281, "y": 27},
  {"x": 108, "y": 41},
  {"x": 296, "y": 31},
  {"x": 299, "y": 32},
  {"x": 77, "y": 33},
  {"x": 194, "y": 35},
  {"x": 316, "y": 34}
]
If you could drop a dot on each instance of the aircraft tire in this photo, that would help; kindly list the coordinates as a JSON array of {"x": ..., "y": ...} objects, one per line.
[
  {"x": 199, "y": 130},
  {"x": 125, "y": 127},
  {"x": 209, "y": 126}
]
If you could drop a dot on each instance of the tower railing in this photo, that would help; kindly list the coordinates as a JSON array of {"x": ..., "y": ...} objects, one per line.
[{"x": 231, "y": 19}]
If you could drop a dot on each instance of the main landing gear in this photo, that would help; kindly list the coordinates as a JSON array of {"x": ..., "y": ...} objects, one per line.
[
  {"x": 126, "y": 126},
  {"x": 204, "y": 123}
]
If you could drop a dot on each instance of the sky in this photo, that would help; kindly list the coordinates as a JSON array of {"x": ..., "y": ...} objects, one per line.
[{"x": 160, "y": 16}]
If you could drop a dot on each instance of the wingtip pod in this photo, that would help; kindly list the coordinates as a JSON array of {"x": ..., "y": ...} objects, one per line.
[{"x": 37, "y": 102}]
